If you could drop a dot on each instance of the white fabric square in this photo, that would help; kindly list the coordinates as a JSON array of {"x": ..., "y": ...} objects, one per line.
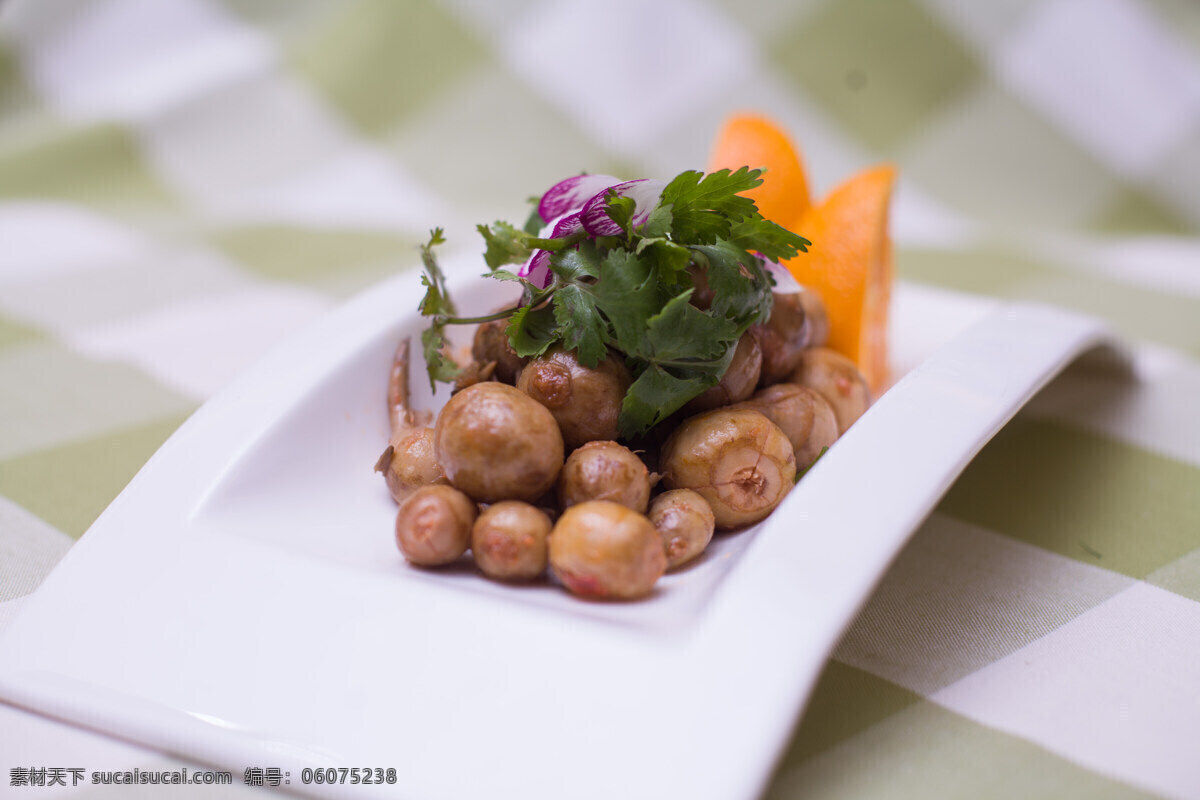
[
  {"x": 129, "y": 59},
  {"x": 197, "y": 347},
  {"x": 1163, "y": 263},
  {"x": 41, "y": 240},
  {"x": 828, "y": 156},
  {"x": 625, "y": 70},
  {"x": 1110, "y": 76},
  {"x": 1155, "y": 409},
  {"x": 67, "y": 302},
  {"x": 29, "y": 549},
  {"x": 73, "y": 398},
  {"x": 959, "y": 597},
  {"x": 1116, "y": 690},
  {"x": 984, "y": 25},
  {"x": 291, "y": 161},
  {"x": 355, "y": 188}
]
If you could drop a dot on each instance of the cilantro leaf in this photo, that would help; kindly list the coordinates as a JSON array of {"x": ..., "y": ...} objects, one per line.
[
  {"x": 682, "y": 332},
  {"x": 741, "y": 288},
  {"x": 582, "y": 328},
  {"x": 691, "y": 351},
  {"x": 436, "y": 300},
  {"x": 620, "y": 210},
  {"x": 437, "y": 304},
  {"x": 671, "y": 259},
  {"x": 659, "y": 391},
  {"x": 511, "y": 277},
  {"x": 532, "y": 329},
  {"x": 630, "y": 292},
  {"x": 532, "y": 292},
  {"x": 765, "y": 237},
  {"x": 703, "y": 207},
  {"x": 437, "y": 364},
  {"x": 800, "y": 473},
  {"x": 576, "y": 263},
  {"x": 627, "y": 292},
  {"x": 658, "y": 221},
  {"x": 534, "y": 222},
  {"x": 505, "y": 244},
  {"x": 655, "y": 395}
]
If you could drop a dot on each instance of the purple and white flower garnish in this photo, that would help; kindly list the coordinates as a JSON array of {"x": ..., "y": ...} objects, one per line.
[{"x": 580, "y": 204}]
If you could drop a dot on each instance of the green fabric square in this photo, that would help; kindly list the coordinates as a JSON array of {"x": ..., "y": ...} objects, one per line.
[
  {"x": 960, "y": 597},
  {"x": 985, "y": 22},
  {"x": 994, "y": 158},
  {"x": 29, "y": 549},
  {"x": 1135, "y": 211},
  {"x": 68, "y": 486},
  {"x": 529, "y": 147},
  {"x": 765, "y": 20},
  {"x": 882, "y": 69},
  {"x": 146, "y": 283},
  {"x": 1176, "y": 178},
  {"x": 1082, "y": 495},
  {"x": 1182, "y": 17},
  {"x": 282, "y": 20},
  {"x": 15, "y": 97},
  {"x": 97, "y": 165},
  {"x": 1181, "y": 576},
  {"x": 378, "y": 61},
  {"x": 990, "y": 269},
  {"x": 50, "y": 395},
  {"x": 925, "y": 751},
  {"x": 1001, "y": 269},
  {"x": 1144, "y": 313},
  {"x": 14, "y": 334},
  {"x": 845, "y": 702},
  {"x": 337, "y": 262}
]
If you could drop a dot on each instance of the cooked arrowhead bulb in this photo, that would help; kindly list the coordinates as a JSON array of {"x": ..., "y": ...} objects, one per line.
[{"x": 737, "y": 459}]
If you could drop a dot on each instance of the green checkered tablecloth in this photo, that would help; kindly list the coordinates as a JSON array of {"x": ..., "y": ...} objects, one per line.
[{"x": 183, "y": 183}]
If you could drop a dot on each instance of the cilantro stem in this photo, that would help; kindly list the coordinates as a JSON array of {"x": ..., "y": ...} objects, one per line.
[
  {"x": 507, "y": 312},
  {"x": 503, "y": 313},
  {"x": 682, "y": 363},
  {"x": 557, "y": 243}
]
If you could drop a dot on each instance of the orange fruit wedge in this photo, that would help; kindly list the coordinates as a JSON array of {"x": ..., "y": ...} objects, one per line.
[
  {"x": 850, "y": 261},
  {"x": 849, "y": 264},
  {"x": 755, "y": 141}
]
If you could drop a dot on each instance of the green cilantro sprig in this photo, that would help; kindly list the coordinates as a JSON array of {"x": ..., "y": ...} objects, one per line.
[{"x": 631, "y": 293}]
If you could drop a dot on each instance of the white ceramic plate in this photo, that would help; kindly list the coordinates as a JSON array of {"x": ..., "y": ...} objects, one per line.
[{"x": 242, "y": 603}]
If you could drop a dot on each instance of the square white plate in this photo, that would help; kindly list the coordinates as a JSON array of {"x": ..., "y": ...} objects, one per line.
[{"x": 242, "y": 602}]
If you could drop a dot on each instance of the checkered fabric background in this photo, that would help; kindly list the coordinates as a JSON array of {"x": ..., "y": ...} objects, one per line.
[{"x": 183, "y": 183}]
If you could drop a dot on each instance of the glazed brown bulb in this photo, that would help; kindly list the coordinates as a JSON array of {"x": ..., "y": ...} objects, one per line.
[
  {"x": 433, "y": 525},
  {"x": 585, "y": 402},
  {"x": 739, "y": 379},
  {"x": 602, "y": 549},
  {"x": 648, "y": 445},
  {"x": 783, "y": 338},
  {"x": 837, "y": 379},
  {"x": 604, "y": 470},
  {"x": 737, "y": 459},
  {"x": 409, "y": 463},
  {"x": 702, "y": 293},
  {"x": 685, "y": 521},
  {"x": 509, "y": 541},
  {"x": 495, "y": 443},
  {"x": 491, "y": 345},
  {"x": 817, "y": 316},
  {"x": 804, "y": 416}
]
